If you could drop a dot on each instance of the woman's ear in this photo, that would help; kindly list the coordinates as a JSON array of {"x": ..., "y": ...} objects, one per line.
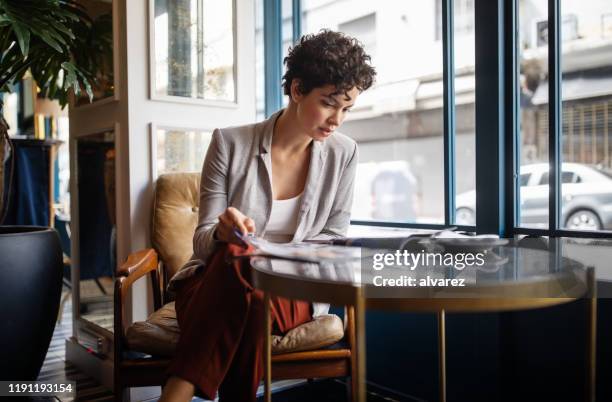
[{"x": 296, "y": 94}]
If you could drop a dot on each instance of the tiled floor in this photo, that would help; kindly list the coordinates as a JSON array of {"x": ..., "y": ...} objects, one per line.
[{"x": 56, "y": 369}]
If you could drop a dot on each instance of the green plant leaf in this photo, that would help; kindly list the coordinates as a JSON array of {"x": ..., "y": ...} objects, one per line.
[
  {"x": 71, "y": 78},
  {"x": 53, "y": 43},
  {"x": 23, "y": 37},
  {"x": 4, "y": 20},
  {"x": 87, "y": 86},
  {"x": 59, "y": 44},
  {"x": 65, "y": 30},
  {"x": 45, "y": 35}
]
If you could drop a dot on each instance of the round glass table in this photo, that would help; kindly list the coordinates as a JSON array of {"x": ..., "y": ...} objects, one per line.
[{"x": 424, "y": 277}]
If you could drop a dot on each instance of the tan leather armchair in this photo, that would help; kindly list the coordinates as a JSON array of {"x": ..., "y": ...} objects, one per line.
[{"x": 320, "y": 348}]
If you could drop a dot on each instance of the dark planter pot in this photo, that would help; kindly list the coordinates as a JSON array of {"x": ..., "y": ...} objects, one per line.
[{"x": 30, "y": 290}]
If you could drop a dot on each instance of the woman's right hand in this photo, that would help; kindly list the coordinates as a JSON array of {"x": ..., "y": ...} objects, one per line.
[{"x": 232, "y": 219}]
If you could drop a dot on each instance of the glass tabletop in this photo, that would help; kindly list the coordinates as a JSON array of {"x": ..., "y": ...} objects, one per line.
[{"x": 493, "y": 268}]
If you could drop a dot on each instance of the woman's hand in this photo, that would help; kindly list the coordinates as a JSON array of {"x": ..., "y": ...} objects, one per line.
[{"x": 232, "y": 219}]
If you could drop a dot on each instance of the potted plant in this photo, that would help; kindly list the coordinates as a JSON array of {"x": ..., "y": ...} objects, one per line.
[{"x": 49, "y": 39}]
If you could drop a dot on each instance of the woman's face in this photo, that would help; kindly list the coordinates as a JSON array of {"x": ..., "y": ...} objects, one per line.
[{"x": 322, "y": 111}]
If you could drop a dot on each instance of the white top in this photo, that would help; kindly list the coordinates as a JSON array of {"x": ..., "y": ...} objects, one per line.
[
  {"x": 283, "y": 220},
  {"x": 281, "y": 228}
]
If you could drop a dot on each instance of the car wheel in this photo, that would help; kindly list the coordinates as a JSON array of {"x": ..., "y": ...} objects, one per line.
[
  {"x": 583, "y": 219},
  {"x": 465, "y": 216}
]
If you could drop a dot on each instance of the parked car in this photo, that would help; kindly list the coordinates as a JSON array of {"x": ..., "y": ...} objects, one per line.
[{"x": 586, "y": 198}]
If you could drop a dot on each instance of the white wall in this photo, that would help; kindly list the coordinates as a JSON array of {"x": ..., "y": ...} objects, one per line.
[{"x": 143, "y": 111}]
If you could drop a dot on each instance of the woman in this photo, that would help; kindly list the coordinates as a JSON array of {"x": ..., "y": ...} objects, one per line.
[{"x": 289, "y": 178}]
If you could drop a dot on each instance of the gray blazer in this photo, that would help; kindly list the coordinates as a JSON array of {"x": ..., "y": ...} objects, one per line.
[{"x": 237, "y": 173}]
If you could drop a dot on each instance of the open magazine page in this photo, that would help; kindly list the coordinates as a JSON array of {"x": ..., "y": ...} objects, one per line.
[
  {"x": 303, "y": 251},
  {"x": 347, "y": 249}
]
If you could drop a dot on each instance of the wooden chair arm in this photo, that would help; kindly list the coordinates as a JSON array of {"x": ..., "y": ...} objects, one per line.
[
  {"x": 136, "y": 266},
  {"x": 139, "y": 263}
]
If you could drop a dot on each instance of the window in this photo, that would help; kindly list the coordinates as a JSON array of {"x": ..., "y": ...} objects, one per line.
[
  {"x": 363, "y": 28},
  {"x": 400, "y": 123},
  {"x": 586, "y": 95},
  {"x": 260, "y": 79},
  {"x": 465, "y": 113},
  {"x": 566, "y": 177},
  {"x": 464, "y": 18},
  {"x": 288, "y": 34},
  {"x": 193, "y": 49},
  {"x": 524, "y": 179},
  {"x": 178, "y": 149},
  {"x": 533, "y": 151},
  {"x": 585, "y": 128}
]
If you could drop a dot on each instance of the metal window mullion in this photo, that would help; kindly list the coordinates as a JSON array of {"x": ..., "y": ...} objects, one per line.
[
  {"x": 554, "y": 113},
  {"x": 272, "y": 55},
  {"x": 490, "y": 116},
  {"x": 513, "y": 132},
  {"x": 449, "y": 110},
  {"x": 297, "y": 19}
]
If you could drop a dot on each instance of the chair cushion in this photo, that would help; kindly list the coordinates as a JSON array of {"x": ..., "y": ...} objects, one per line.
[
  {"x": 175, "y": 216},
  {"x": 159, "y": 334},
  {"x": 322, "y": 331}
]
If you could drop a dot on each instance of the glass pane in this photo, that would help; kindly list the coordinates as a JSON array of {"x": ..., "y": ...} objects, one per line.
[
  {"x": 397, "y": 123},
  {"x": 286, "y": 42},
  {"x": 286, "y": 34},
  {"x": 97, "y": 227},
  {"x": 465, "y": 112},
  {"x": 533, "y": 65},
  {"x": 181, "y": 150},
  {"x": 260, "y": 79},
  {"x": 194, "y": 49},
  {"x": 587, "y": 114},
  {"x": 524, "y": 179}
]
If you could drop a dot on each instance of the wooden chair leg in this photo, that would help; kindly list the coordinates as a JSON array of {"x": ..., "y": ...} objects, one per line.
[
  {"x": 358, "y": 363},
  {"x": 121, "y": 394},
  {"x": 347, "y": 385}
]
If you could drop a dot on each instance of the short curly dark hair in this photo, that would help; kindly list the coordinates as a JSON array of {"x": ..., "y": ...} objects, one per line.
[{"x": 328, "y": 58}]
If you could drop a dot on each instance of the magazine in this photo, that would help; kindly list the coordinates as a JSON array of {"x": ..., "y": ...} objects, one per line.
[{"x": 309, "y": 252}]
